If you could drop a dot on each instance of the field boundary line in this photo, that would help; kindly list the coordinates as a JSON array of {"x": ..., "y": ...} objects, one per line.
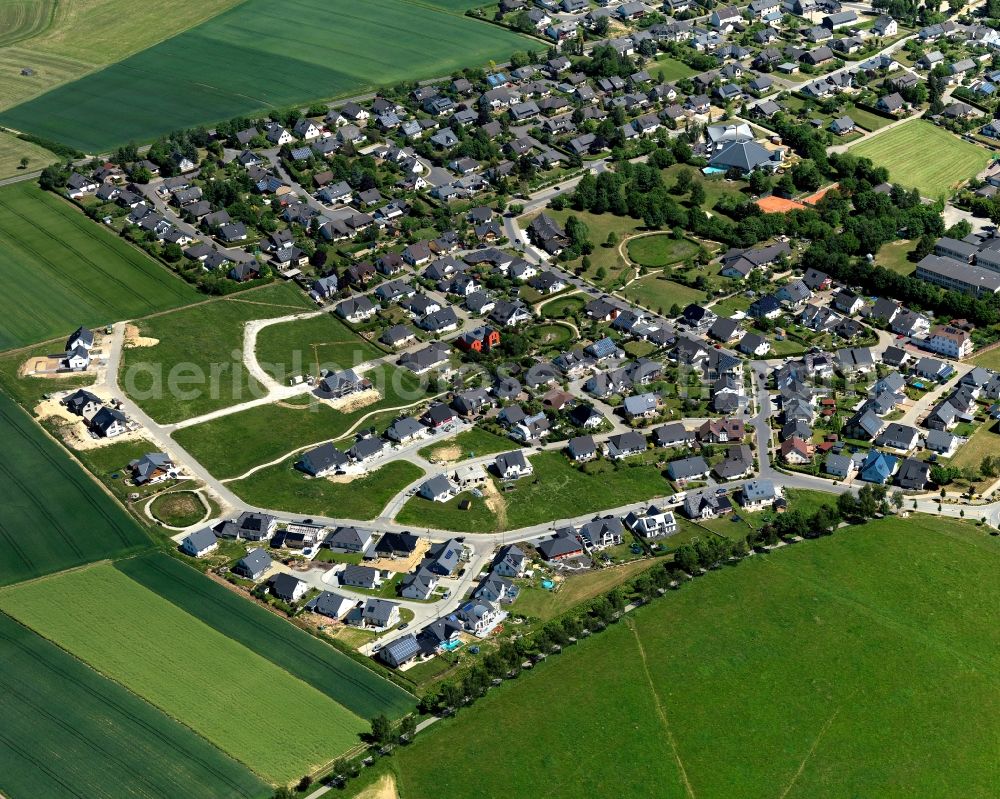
[
  {"x": 811, "y": 751},
  {"x": 659, "y": 709}
]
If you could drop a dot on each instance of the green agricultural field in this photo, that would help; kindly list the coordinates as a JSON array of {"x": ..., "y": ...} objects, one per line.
[
  {"x": 22, "y": 19},
  {"x": 285, "y": 488},
  {"x": 202, "y": 347},
  {"x": 656, "y": 292},
  {"x": 344, "y": 680},
  {"x": 13, "y": 149},
  {"x": 660, "y": 250},
  {"x": 904, "y": 152},
  {"x": 259, "y": 55},
  {"x": 62, "y": 40},
  {"x": 268, "y": 432},
  {"x": 557, "y": 490},
  {"x": 66, "y": 731},
  {"x": 61, "y": 270},
  {"x": 192, "y": 672},
  {"x": 307, "y": 345},
  {"x": 854, "y": 665},
  {"x": 472, "y": 443},
  {"x": 54, "y": 515}
]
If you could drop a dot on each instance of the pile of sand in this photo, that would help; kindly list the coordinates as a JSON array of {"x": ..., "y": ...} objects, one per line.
[
  {"x": 496, "y": 503},
  {"x": 355, "y": 401},
  {"x": 134, "y": 339},
  {"x": 385, "y": 788},
  {"x": 446, "y": 454}
]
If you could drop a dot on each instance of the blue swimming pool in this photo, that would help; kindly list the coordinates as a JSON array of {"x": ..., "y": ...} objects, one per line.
[
  {"x": 548, "y": 585},
  {"x": 713, "y": 170},
  {"x": 451, "y": 646}
]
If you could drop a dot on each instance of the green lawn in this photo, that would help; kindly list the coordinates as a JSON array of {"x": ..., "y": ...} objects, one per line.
[
  {"x": 471, "y": 443},
  {"x": 989, "y": 359},
  {"x": 307, "y": 345},
  {"x": 62, "y": 270},
  {"x": 67, "y": 732},
  {"x": 660, "y": 250},
  {"x": 178, "y": 508},
  {"x": 895, "y": 256},
  {"x": 563, "y": 307},
  {"x": 985, "y": 441},
  {"x": 267, "y": 432},
  {"x": 242, "y": 61},
  {"x": 344, "y": 680},
  {"x": 905, "y": 151},
  {"x": 660, "y": 293},
  {"x": 866, "y": 119},
  {"x": 598, "y": 226},
  {"x": 716, "y": 186},
  {"x": 552, "y": 336},
  {"x": 557, "y": 490},
  {"x": 283, "y": 487},
  {"x": 54, "y": 515},
  {"x": 156, "y": 650},
  {"x": 671, "y": 68},
  {"x": 197, "y": 366},
  {"x": 854, "y": 665}
]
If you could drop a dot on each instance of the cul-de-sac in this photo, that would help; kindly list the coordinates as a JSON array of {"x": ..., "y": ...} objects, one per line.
[{"x": 407, "y": 399}]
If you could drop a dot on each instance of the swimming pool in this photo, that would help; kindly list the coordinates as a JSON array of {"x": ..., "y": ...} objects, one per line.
[
  {"x": 713, "y": 170},
  {"x": 451, "y": 646},
  {"x": 548, "y": 585}
]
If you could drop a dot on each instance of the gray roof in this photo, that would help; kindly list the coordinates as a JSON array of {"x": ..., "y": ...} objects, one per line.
[
  {"x": 200, "y": 539},
  {"x": 255, "y": 561}
]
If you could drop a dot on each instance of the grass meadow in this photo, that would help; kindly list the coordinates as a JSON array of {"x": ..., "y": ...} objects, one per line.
[
  {"x": 308, "y": 345},
  {"x": 278, "y": 725},
  {"x": 207, "y": 336},
  {"x": 854, "y": 665},
  {"x": 557, "y": 490},
  {"x": 13, "y": 149},
  {"x": 54, "y": 515},
  {"x": 285, "y": 488},
  {"x": 66, "y": 732},
  {"x": 661, "y": 250},
  {"x": 903, "y": 151},
  {"x": 267, "y": 432},
  {"x": 257, "y": 55},
  {"x": 345, "y": 681},
  {"x": 62, "y": 270}
]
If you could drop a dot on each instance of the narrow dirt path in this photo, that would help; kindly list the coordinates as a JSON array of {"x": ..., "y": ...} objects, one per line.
[
  {"x": 660, "y": 710},
  {"x": 809, "y": 754}
]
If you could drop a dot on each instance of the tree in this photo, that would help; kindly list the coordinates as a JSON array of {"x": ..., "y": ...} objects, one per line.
[
  {"x": 612, "y": 239},
  {"x": 284, "y": 792},
  {"x": 760, "y": 183},
  {"x": 989, "y": 466},
  {"x": 898, "y": 500},
  {"x": 847, "y": 505},
  {"x": 381, "y": 733},
  {"x": 684, "y": 180},
  {"x": 408, "y": 726},
  {"x": 24, "y": 162},
  {"x": 697, "y": 194},
  {"x": 601, "y": 273}
]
